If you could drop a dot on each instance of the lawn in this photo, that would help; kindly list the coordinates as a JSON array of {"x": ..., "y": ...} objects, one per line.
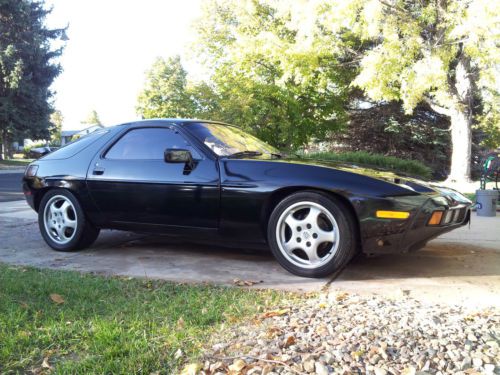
[
  {"x": 74, "y": 323},
  {"x": 15, "y": 162}
]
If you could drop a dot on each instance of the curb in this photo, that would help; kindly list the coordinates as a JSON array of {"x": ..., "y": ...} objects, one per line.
[{"x": 12, "y": 170}]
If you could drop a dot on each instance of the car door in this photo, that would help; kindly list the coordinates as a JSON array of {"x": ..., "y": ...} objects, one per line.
[{"x": 131, "y": 183}]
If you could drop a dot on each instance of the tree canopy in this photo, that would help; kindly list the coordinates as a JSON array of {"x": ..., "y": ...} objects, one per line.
[
  {"x": 294, "y": 71},
  {"x": 56, "y": 122},
  {"x": 28, "y": 66},
  {"x": 92, "y": 118},
  {"x": 165, "y": 93}
]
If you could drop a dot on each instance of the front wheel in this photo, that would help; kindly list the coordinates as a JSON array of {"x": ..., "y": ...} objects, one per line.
[
  {"x": 312, "y": 234},
  {"x": 62, "y": 222}
]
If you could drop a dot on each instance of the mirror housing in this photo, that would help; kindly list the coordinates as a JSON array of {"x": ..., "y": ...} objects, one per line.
[{"x": 178, "y": 155}]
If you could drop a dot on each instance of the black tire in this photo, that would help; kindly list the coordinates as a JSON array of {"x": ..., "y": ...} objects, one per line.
[
  {"x": 335, "y": 259},
  {"x": 84, "y": 233}
]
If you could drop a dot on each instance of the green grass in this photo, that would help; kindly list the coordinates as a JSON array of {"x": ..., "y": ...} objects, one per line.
[
  {"x": 15, "y": 162},
  {"x": 110, "y": 325},
  {"x": 391, "y": 163},
  {"x": 471, "y": 196}
]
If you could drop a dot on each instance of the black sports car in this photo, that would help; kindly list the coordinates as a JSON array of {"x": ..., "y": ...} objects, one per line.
[{"x": 209, "y": 180}]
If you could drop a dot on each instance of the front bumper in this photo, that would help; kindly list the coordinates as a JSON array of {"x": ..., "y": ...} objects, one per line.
[
  {"x": 29, "y": 193},
  {"x": 383, "y": 236}
]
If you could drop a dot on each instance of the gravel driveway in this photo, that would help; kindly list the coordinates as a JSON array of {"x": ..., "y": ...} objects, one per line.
[{"x": 339, "y": 333}]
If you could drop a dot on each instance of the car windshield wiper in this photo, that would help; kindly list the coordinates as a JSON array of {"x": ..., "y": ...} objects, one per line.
[{"x": 242, "y": 154}]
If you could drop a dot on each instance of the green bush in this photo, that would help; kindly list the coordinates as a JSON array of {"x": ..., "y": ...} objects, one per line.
[
  {"x": 391, "y": 163},
  {"x": 27, "y": 149}
]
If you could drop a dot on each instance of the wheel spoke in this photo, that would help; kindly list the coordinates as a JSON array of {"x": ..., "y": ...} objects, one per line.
[
  {"x": 312, "y": 216},
  {"x": 70, "y": 224},
  {"x": 312, "y": 254},
  {"x": 64, "y": 207},
  {"x": 324, "y": 236},
  {"x": 60, "y": 233},
  {"x": 66, "y": 216},
  {"x": 292, "y": 222},
  {"x": 291, "y": 245},
  {"x": 53, "y": 210}
]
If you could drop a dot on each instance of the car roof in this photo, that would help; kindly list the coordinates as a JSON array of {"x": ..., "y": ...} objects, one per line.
[{"x": 169, "y": 121}]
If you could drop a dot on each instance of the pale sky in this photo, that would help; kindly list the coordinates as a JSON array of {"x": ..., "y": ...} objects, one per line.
[{"x": 111, "y": 45}]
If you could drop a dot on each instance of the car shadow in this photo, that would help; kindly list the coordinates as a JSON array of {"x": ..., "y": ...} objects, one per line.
[{"x": 437, "y": 259}]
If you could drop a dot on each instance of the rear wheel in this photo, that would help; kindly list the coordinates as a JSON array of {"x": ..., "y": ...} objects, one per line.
[
  {"x": 62, "y": 222},
  {"x": 311, "y": 234}
]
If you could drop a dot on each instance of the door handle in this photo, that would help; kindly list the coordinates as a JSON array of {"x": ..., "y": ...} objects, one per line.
[{"x": 98, "y": 170}]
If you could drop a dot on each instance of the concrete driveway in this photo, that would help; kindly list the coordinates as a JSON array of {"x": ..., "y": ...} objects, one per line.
[{"x": 461, "y": 267}]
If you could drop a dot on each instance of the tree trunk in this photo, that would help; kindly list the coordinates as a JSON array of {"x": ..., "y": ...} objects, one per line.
[
  {"x": 3, "y": 148},
  {"x": 461, "y": 121},
  {"x": 6, "y": 146},
  {"x": 461, "y": 140}
]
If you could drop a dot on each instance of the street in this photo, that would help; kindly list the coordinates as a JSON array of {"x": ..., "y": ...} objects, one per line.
[{"x": 10, "y": 185}]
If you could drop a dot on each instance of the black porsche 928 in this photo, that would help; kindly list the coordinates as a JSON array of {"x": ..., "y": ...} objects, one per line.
[{"x": 210, "y": 180}]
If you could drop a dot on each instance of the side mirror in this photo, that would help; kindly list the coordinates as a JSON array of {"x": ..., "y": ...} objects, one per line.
[{"x": 176, "y": 155}]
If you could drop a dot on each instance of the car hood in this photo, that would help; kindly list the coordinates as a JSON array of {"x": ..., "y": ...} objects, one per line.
[{"x": 402, "y": 179}]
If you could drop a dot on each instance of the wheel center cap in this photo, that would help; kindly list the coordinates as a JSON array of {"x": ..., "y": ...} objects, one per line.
[{"x": 306, "y": 235}]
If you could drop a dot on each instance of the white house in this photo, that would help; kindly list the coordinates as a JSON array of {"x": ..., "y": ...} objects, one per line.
[{"x": 67, "y": 135}]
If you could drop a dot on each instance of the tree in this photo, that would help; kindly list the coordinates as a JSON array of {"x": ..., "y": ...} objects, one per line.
[
  {"x": 165, "y": 93},
  {"x": 56, "y": 122},
  {"x": 444, "y": 53},
  {"x": 27, "y": 69},
  {"x": 92, "y": 119},
  {"x": 384, "y": 128},
  {"x": 287, "y": 69},
  {"x": 265, "y": 79}
]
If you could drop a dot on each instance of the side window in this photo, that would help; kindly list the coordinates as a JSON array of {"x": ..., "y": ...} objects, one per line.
[{"x": 148, "y": 144}]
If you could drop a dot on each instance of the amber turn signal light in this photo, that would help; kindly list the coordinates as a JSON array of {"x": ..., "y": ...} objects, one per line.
[
  {"x": 436, "y": 218},
  {"x": 393, "y": 215}
]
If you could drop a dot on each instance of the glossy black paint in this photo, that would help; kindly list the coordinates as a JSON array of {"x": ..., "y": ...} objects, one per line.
[{"x": 232, "y": 199}]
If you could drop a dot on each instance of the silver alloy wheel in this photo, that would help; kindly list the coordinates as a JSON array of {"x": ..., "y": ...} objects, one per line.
[
  {"x": 60, "y": 219},
  {"x": 307, "y": 235}
]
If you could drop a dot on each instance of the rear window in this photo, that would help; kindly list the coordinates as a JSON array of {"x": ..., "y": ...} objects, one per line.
[{"x": 76, "y": 146}]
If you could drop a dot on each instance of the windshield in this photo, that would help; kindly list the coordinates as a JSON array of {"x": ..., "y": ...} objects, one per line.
[{"x": 227, "y": 140}]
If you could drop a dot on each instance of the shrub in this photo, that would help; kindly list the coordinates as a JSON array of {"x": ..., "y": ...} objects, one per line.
[
  {"x": 27, "y": 149},
  {"x": 391, "y": 163}
]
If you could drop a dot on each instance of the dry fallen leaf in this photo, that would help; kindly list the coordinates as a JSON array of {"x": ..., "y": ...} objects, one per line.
[
  {"x": 342, "y": 296},
  {"x": 191, "y": 369},
  {"x": 46, "y": 364},
  {"x": 237, "y": 366},
  {"x": 178, "y": 354},
  {"x": 56, "y": 298},
  {"x": 290, "y": 340},
  {"x": 217, "y": 366},
  {"x": 246, "y": 282},
  {"x": 273, "y": 332},
  {"x": 279, "y": 312}
]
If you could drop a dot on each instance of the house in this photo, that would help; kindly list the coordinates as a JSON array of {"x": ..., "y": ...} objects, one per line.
[{"x": 68, "y": 135}]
